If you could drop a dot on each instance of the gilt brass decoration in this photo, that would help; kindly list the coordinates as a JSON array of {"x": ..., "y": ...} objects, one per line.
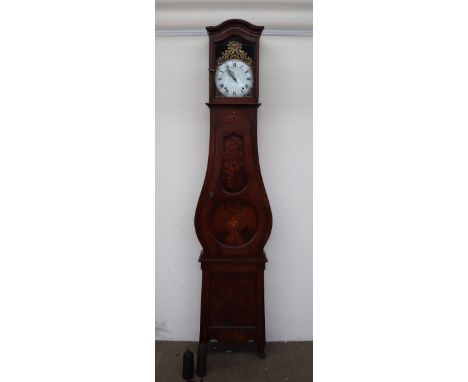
[{"x": 234, "y": 51}]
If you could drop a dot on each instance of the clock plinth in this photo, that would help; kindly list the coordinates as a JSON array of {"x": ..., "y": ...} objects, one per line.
[{"x": 233, "y": 218}]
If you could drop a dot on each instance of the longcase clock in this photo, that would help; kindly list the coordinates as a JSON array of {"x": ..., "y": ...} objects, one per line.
[{"x": 233, "y": 218}]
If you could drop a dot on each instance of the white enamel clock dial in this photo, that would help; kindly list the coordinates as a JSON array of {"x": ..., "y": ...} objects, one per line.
[{"x": 234, "y": 78}]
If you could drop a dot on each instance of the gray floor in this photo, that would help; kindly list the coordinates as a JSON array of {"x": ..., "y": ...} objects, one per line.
[{"x": 285, "y": 361}]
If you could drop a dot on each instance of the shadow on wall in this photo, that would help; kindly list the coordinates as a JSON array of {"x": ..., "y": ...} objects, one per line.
[{"x": 160, "y": 330}]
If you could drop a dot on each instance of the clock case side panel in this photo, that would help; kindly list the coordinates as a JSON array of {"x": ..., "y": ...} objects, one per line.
[
  {"x": 221, "y": 33},
  {"x": 205, "y": 194}
]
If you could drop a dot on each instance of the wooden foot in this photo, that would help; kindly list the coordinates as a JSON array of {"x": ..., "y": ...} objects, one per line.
[
  {"x": 202, "y": 354},
  {"x": 261, "y": 350}
]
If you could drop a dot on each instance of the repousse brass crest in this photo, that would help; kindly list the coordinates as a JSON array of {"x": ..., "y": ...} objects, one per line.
[{"x": 234, "y": 51}]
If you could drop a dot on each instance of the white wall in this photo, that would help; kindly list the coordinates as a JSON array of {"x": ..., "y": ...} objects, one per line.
[
  {"x": 285, "y": 149},
  {"x": 195, "y": 14}
]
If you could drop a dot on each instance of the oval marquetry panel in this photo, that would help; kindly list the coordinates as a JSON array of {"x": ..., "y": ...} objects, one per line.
[{"x": 234, "y": 223}]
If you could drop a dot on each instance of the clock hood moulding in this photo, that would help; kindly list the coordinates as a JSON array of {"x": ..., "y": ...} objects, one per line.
[
  {"x": 235, "y": 26},
  {"x": 226, "y": 26}
]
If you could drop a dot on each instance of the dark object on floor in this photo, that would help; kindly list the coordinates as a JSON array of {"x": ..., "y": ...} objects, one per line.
[
  {"x": 187, "y": 371},
  {"x": 201, "y": 360},
  {"x": 286, "y": 362}
]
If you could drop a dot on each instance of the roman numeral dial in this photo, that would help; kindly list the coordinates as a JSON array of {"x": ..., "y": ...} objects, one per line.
[{"x": 234, "y": 78}]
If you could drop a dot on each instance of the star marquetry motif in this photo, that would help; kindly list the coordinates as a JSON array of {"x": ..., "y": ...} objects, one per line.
[{"x": 233, "y": 221}]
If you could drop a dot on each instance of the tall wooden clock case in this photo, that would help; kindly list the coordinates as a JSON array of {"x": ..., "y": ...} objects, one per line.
[{"x": 233, "y": 218}]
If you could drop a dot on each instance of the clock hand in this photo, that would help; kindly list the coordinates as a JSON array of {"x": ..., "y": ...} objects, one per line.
[{"x": 231, "y": 74}]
